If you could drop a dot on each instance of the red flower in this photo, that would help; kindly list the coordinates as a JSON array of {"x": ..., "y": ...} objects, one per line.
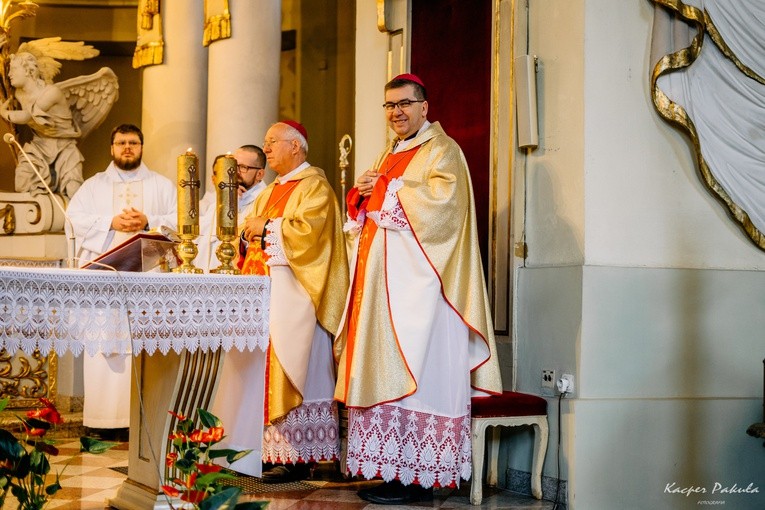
[
  {"x": 177, "y": 415},
  {"x": 193, "y": 496},
  {"x": 170, "y": 491},
  {"x": 191, "y": 480},
  {"x": 178, "y": 435},
  {"x": 212, "y": 435},
  {"x": 170, "y": 459},
  {"x": 208, "y": 468},
  {"x": 34, "y": 432},
  {"x": 48, "y": 413},
  {"x": 216, "y": 433}
]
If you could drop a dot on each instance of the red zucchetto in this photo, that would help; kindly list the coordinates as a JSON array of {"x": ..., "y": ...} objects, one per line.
[{"x": 298, "y": 126}]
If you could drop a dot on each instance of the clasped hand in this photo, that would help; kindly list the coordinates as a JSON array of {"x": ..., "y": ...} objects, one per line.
[
  {"x": 253, "y": 228},
  {"x": 366, "y": 182},
  {"x": 130, "y": 220}
]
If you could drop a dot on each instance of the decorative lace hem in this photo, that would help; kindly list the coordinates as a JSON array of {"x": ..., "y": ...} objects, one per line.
[
  {"x": 309, "y": 433},
  {"x": 391, "y": 215},
  {"x": 274, "y": 250},
  {"x": 101, "y": 311},
  {"x": 411, "y": 446}
]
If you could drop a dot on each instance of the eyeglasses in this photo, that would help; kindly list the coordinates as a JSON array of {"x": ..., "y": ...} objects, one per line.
[
  {"x": 269, "y": 143},
  {"x": 130, "y": 143},
  {"x": 402, "y": 105},
  {"x": 247, "y": 168}
]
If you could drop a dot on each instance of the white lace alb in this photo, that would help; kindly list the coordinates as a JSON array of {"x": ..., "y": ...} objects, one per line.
[
  {"x": 90, "y": 310},
  {"x": 309, "y": 433},
  {"x": 391, "y": 215},
  {"x": 411, "y": 446},
  {"x": 274, "y": 250}
]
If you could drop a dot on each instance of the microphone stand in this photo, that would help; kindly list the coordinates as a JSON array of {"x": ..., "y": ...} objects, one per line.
[{"x": 71, "y": 240}]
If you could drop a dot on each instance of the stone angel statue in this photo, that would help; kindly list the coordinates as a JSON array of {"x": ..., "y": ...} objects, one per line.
[{"x": 58, "y": 114}]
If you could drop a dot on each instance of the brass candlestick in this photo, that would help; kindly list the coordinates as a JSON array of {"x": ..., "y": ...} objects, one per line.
[
  {"x": 188, "y": 211},
  {"x": 227, "y": 206}
]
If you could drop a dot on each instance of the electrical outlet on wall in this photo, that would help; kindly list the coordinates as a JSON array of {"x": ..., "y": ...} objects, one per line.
[
  {"x": 548, "y": 382},
  {"x": 566, "y": 384}
]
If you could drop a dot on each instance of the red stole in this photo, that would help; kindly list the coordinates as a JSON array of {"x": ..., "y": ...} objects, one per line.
[{"x": 392, "y": 167}]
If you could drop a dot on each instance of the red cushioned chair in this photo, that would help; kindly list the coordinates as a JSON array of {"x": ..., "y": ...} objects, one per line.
[{"x": 511, "y": 409}]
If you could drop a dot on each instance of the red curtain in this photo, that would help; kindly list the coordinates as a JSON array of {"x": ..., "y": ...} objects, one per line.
[{"x": 451, "y": 52}]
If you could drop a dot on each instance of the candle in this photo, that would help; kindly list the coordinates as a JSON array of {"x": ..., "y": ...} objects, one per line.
[
  {"x": 226, "y": 185},
  {"x": 188, "y": 193}
]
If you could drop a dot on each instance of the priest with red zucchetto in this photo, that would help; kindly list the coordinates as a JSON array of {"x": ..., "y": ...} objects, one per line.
[
  {"x": 416, "y": 341},
  {"x": 294, "y": 235}
]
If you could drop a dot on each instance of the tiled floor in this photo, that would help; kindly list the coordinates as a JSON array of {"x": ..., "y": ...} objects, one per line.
[{"x": 89, "y": 480}]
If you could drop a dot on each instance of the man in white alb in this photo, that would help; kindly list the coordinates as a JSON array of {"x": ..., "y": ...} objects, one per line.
[
  {"x": 108, "y": 208},
  {"x": 251, "y": 167}
]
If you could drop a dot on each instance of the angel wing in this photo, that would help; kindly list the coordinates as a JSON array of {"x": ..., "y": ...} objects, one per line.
[
  {"x": 91, "y": 97},
  {"x": 51, "y": 49}
]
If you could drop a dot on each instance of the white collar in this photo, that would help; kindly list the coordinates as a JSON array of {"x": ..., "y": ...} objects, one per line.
[
  {"x": 401, "y": 145},
  {"x": 138, "y": 174},
  {"x": 286, "y": 177}
]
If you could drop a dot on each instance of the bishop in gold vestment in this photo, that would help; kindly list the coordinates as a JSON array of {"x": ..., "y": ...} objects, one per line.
[
  {"x": 417, "y": 338},
  {"x": 294, "y": 234}
]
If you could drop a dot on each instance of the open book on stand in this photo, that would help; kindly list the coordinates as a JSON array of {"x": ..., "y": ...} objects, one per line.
[{"x": 141, "y": 252}]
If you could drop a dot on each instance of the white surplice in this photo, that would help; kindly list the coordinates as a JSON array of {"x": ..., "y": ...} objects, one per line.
[{"x": 107, "y": 378}]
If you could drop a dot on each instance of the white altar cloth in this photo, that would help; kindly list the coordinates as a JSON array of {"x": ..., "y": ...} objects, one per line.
[{"x": 80, "y": 310}]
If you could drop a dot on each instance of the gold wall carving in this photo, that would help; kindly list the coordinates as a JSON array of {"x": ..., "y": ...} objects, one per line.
[
  {"x": 217, "y": 21},
  {"x": 25, "y": 378}
]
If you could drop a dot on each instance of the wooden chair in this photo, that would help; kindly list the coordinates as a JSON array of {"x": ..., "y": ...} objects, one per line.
[{"x": 511, "y": 409}]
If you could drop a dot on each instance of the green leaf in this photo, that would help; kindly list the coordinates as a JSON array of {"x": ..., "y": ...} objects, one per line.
[
  {"x": 217, "y": 454},
  {"x": 237, "y": 456},
  {"x": 185, "y": 426},
  {"x": 46, "y": 447},
  {"x": 4, "y": 403},
  {"x": 18, "y": 492},
  {"x": 208, "y": 419},
  {"x": 53, "y": 488},
  {"x": 22, "y": 466},
  {"x": 10, "y": 448},
  {"x": 185, "y": 465},
  {"x": 211, "y": 478},
  {"x": 96, "y": 446},
  {"x": 225, "y": 499},
  {"x": 39, "y": 463},
  {"x": 34, "y": 423}
]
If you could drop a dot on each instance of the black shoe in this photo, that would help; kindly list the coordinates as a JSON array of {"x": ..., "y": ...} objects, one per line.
[
  {"x": 286, "y": 473},
  {"x": 395, "y": 493}
]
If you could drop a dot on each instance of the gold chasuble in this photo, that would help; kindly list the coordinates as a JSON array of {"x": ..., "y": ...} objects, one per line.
[
  {"x": 315, "y": 252},
  {"x": 436, "y": 199}
]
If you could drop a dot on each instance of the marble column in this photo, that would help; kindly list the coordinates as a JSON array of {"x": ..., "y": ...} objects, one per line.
[
  {"x": 243, "y": 79},
  {"x": 175, "y": 92}
]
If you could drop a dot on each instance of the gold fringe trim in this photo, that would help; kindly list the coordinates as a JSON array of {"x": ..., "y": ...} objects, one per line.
[
  {"x": 151, "y": 54},
  {"x": 150, "y": 9},
  {"x": 217, "y": 27},
  {"x": 675, "y": 113}
]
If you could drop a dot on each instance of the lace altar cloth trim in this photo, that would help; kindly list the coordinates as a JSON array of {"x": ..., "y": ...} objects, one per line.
[
  {"x": 99, "y": 311},
  {"x": 309, "y": 433},
  {"x": 413, "y": 446}
]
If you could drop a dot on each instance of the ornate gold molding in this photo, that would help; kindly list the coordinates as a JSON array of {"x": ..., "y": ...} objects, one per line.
[
  {"x": 26, "y": 378},
  {"x": 217, "y": 21},
  {"x": 150, "y": 46}
]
